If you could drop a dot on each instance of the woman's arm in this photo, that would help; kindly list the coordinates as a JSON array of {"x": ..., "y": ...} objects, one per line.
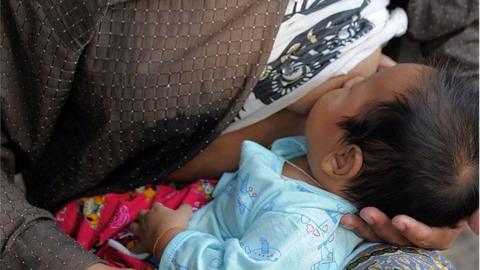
[{"x": 223, "y": 154}]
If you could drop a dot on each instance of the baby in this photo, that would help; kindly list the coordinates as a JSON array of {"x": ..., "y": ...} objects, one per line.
[{"x": 404, "y": 140}]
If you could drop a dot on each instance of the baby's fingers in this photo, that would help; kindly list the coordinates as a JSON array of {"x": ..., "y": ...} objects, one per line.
[
  {"x": 157, "y": 206},
  {"x": 139, "y": 248},
  {"x": 134, "y": 228},
  {"x": 185, "y": 209},
  {"x": 160, "y": 209},
  {"x": 141, "y": 214}
]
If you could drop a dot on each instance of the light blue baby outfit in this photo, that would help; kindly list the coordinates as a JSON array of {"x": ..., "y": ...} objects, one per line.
[{"x": 260, "y": 219}]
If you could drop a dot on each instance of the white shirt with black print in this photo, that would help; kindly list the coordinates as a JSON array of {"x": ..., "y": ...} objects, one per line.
[{"x": 318, "y": 39}]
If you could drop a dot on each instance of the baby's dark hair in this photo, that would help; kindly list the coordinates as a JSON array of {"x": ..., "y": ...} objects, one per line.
[{"x": 420, "y": 152}]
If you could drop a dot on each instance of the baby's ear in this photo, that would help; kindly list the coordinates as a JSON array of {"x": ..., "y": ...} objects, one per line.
[{"x": 343, "y": 163}]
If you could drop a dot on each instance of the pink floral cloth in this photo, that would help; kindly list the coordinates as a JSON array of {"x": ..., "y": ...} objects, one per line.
[{"x": 95, "y": 221}]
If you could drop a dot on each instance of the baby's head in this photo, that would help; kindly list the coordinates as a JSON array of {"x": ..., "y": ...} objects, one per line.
[{"x": 404, "y": 141}]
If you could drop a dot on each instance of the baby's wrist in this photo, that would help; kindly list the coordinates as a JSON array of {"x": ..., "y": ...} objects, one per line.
[{"x": 163, "y": 239}]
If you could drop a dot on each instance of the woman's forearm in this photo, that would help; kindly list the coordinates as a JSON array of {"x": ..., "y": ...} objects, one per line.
[{"x": 223, "y": 154}]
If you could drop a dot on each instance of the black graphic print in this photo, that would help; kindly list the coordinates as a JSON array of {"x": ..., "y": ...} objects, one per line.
[{"x": 310, "y": 52}]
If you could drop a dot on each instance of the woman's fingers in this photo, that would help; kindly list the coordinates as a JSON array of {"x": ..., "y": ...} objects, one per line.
[
  {"x": 359, "y": 226},
  {"x": 351, "y": 82},
  {"x": 402, "y": 230},
  {"x": 385, "y": 62},
  {"x": 382, "y": 226},
  {"x": 424, "y": 236},
  {"x": 473, "y": 222}
]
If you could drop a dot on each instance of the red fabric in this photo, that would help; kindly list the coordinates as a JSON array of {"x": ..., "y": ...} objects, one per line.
[{"x": 94, "y": 220}]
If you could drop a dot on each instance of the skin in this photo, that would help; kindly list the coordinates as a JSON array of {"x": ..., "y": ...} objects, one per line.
[
  {"x": 223, "y": 155},
  {"x": 330, "y": 163},
  {"x": 334, "y": 164},
  {"x": 153, "y": 223},
  {"x": 101, "y": 266},
  {"x": 156, "y": 223}
]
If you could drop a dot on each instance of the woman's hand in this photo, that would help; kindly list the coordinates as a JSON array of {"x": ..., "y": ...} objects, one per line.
[
  {"x": 402, "y": 230},
  {"x": 473, "y": 222},
  {"x": 385, "y": 62},
  {"x": 150, "y": 224}
]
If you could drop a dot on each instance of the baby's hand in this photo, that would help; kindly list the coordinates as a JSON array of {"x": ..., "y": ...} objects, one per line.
[
  {"x": 151, "y": 224},
  {"x": 101, "y": 266}
]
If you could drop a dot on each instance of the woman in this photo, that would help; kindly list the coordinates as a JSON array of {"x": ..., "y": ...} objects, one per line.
[{"x": 105, "y": 96}]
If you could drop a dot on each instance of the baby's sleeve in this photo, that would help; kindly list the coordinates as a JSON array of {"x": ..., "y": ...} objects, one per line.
[{"x": 275, "y": 240}]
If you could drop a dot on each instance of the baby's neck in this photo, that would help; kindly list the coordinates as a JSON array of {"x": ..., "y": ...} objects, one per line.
[{"x": 299, "y": 169}]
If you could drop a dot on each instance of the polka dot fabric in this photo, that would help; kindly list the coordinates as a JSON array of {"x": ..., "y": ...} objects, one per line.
[{"x": 104, "y": 96}]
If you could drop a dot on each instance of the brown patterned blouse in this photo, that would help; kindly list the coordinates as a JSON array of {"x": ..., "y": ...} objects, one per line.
[{"x": 102, "y": 96}]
